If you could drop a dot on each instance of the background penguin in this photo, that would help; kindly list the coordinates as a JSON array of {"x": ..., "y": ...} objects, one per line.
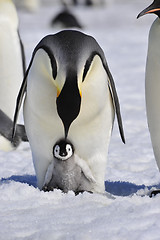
[
  {"x": 70, "y": 94},
  {"x": 67, "y": 171},
  {"x": 66, "y": 19},
  {"x": 83, "y": 2},
  {"x": 29, "y": 5},
  {"x": 152, "y": 80},
  {"x": 11, "y": 74}
]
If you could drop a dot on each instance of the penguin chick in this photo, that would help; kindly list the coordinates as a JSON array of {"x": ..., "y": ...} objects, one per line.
[{"x": 67, "y": 172}]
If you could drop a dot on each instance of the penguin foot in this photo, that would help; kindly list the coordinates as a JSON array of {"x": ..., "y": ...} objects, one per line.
[
  {"x": 78, "y": 192},
  {"x": 154, "y": 193},
  {"x": 47, "y": 188}
]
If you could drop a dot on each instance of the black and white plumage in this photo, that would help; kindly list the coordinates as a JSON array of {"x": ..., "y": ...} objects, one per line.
[
  {"x": 11, "y": 74},
  {"x": 66, "y": 19},
  {"x": 83, "y": 2},
  {"x": 152, "y": 80},
  {"x": 67, "y": 171},
  {"x": 69, "y": 93}
]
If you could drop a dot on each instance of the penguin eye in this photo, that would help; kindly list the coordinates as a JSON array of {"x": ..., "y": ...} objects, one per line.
[
  {"x": 56, "y": 150},
  {"x": 69, "y": 148}
]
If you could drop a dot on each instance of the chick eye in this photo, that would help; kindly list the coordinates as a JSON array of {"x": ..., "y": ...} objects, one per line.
[
  {"x": 56, "y": 150},
  {"x": 68, "y": 148}
]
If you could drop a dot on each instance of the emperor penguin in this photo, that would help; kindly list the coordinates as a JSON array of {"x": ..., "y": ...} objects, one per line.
[
  {"x": 69, "y": 93},
  {"x": 11, "y": 74},
  {"x": 152, "y": 80},
  {"x": 66, "y": 19},
  {"x": 67, "y": 171}
]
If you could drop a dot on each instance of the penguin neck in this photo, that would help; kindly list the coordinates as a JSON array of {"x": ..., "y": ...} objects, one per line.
[{"x": 67, "y": 165}]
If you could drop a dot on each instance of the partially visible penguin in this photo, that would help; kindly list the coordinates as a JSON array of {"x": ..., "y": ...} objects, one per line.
[
  {"x": 11, "y": 74},
  {"x": 152, "y": 80},
  {"x": 84, "y": 2},
  {"x": 66, "y": 19},
  {"x": 69, "y": 93},
  {"x": 29, "y": 5},
  {"x": 67, "y": 171}
]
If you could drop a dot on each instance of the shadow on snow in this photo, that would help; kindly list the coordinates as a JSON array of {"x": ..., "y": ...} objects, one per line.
[
  {"x": 125, "y": 188},
  {"x": 28, "y": 179},
  {"x": 115, "y": 188}
]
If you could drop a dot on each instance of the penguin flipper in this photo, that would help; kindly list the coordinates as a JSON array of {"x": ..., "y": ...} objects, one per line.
[
  {"x": 20, "y": 96},
  {"x": 85, "y": 168},
  {"x": 23, "y": 55},
  {"x": 112, "y": 88},
  {"x": 6, "y": 125},
  {"x": 18, "y": 105},
  {"x": 115, "y": 102},
  {"x": 20, "y": 135}
]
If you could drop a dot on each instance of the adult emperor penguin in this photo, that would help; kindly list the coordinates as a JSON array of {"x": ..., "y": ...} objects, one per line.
[
  {"x": 11, "y": 74},
  {"x": 70, "y": 93},
  {"x": 152, "y": 80}
]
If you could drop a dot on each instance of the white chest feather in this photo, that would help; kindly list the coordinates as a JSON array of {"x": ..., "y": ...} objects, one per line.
[
  {"x": 152, "y": 87},
  {"x": 89, "y": 133},
  {"x": 11, "y": 73}
]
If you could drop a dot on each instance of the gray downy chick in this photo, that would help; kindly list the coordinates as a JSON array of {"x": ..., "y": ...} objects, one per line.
[{"x": 67, "y": 171}]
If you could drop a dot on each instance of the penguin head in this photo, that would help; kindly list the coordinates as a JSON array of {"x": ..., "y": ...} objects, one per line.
[
  {"x": 153, "y": 8},
  {"x": 63, "y": 150}
]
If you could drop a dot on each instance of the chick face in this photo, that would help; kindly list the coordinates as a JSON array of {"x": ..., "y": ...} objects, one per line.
[{"x": 63, "y": 150}]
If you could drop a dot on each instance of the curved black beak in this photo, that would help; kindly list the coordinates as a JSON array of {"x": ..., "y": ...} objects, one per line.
[
  {"x": 153, "y": 8},
  {"x": 69, "y": 101}
]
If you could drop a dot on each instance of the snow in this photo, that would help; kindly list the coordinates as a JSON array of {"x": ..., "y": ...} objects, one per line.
[{"x": 29, "y": 214}]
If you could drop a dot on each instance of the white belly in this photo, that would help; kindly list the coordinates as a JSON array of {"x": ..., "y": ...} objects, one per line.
[
  {"x": 11, "y": 73},
  {"x": 153, "y": 88},
  {"x": 89, "y": 133}
]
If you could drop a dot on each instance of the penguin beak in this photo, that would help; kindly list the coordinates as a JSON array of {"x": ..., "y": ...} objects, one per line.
[
  {"x": 153, "y": 8},
  {"x": 69, "y": 101}
]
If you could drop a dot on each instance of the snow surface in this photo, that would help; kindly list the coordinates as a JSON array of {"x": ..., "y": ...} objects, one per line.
[{"x": 29, "y": 214}]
